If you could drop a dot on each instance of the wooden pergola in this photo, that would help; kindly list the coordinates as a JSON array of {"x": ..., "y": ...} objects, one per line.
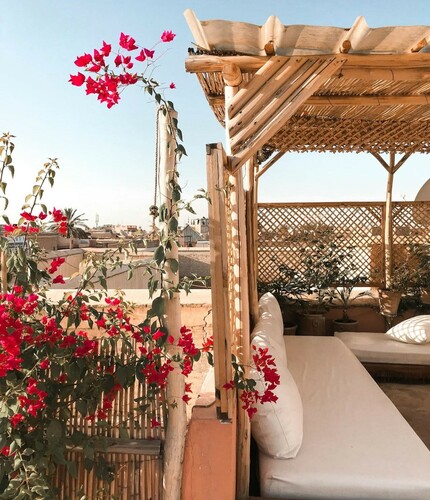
[{"x": 279, "y": 89}]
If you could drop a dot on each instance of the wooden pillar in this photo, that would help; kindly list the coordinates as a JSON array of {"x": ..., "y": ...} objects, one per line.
[
  {"x": 221, "y": 325},
  {"x": 177, "y": 419},
  {"x": 239, "y": 283},
  {"x": 251, "y": 239},
  {"x": 388, "y": 224},
  {"x": 391, "y": 168}
]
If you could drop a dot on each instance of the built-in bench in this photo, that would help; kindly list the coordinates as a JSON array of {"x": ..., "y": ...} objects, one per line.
[
  {"x": 384, "y": 357},
  {"x": 355, "y": 443}
]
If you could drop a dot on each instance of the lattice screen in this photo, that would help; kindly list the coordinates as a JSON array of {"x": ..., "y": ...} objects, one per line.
[
  {"x": 411, "y": 226},
  {"x": 285, "y": 229}
]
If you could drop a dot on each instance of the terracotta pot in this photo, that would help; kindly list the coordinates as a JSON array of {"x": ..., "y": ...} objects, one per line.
[
  {"x": 425, "y": 296},
  {"x": 290, "y": 328},
  {"x": 312, "y": 324},
  {"x": 340, "y": 325},
  {"x": 389, "y": 302}
]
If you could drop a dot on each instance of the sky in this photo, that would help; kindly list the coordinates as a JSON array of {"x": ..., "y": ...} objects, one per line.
[{"x": 106, "y": 156}]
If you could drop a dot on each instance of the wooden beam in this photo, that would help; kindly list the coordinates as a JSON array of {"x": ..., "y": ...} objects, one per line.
[
  {"x": 232, "y": 74},
  {"x": 369, "y": 100},
  {"x": 266, "y": 92},
  {"x": 388, "y": 65},
  {"x": 345, "y": 100},
  {"x": 284, "y": 103},
  {"x": 196, "y": 29},
  {"x": 269, "y": 164}
]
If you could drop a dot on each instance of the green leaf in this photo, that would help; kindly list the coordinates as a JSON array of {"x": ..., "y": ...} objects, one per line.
[
  {"x": 158, "y": 306},
  {"x": 159, "y": 255},
  {"x": 173, "y": 225},
  {"x": 54, "y": 433},
  {"x": 71, "y": 468}
]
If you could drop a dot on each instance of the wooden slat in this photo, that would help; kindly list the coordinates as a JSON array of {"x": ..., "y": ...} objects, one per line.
[
  {"x": 219, "y": 282},
  {"x": 369, "y": 100},
  {"x": 243, "y": 349},
  {"x": 267, "y": 94},
  {"x": 265, "y": 73},
  {"x": 260, "y": 132},
  {"x": 269, "y": 164}
]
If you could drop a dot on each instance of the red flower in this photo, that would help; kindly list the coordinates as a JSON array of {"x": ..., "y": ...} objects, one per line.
[
  {"x": 44, "y": 364},
  {"x": 10, "y": 228},
  {"x": 118, "y": 60},
  {"x": 167, "y": 36},
  {"x": 77, "y": 80},
  {"x": 172, "y": 86},
  {"x": 29, "y": 217},
  {"x": 84, "y": 60},
  {"x": 58, "y": 279},
  {"x": 42, "y": 216},
  {"x": 127, "y": 42},
  {"x": 16, "y": 419},
  {"x": 141, "y": 57},
  {"x": 55, "y": 264},
  {"x": 155, "y": 423},
  {"x": 186, "y": 398},
  {"x": 106, "y": 49},
  {"x": 149, "y": 53},
  {"x": 158, "y": 335}
]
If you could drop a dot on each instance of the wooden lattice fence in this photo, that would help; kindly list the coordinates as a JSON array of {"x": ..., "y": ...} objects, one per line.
[
  {"x": 133, "y": 446},
  {"x": 284, "y": 229}
]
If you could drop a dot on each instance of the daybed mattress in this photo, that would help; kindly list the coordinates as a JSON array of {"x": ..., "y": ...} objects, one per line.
[
  {"x": 371, "y": 347},
  {"x": 355, "y": 442}
]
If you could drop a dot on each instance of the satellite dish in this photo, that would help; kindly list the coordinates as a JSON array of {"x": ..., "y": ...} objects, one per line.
[{"x": 423, "y": 216}]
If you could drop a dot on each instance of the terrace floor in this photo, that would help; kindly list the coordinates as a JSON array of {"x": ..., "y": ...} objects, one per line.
[{"x": 413, "y": 402}]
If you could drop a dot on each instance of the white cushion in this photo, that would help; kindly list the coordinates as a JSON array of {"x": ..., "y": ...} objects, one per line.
[
  {"x": 271, "y": 324},
  {"x": 269, "y": 304},
  {"x": 277, "y": 427},
  {"x": 415, "y": 330}
]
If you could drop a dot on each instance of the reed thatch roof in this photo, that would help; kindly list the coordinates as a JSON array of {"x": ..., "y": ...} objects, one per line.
[{"x": 316, "y": 88}]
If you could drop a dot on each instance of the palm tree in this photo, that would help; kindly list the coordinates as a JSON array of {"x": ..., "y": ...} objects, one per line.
[{"x": 75, "y": 225}]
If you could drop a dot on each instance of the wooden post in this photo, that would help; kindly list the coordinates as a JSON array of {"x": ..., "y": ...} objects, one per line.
[
  {"x": 388, "y": 224},
  {"x": 177, "y": 418},
  {"x": 217, "y": 190},
  {"x": 391, "y": 168},
  {"x": 251, "y": 239}
]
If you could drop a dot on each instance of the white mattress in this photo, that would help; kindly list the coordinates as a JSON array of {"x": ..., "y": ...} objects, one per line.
[
  {"x": 374, "y": 347},
  {"x": 355, "y": 444}
]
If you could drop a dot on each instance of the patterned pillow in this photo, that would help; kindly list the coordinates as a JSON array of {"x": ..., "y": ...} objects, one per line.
[{"x": 415, "y": 330}]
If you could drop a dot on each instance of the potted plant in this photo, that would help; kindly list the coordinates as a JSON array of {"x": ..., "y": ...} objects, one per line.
[
  {"x": 404, "y": 279},
  {"x": 344, "y": 295},
  {"x": 320, "y": 262}
]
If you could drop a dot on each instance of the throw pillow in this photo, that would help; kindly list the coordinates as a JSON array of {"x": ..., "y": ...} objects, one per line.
[{"x": 415, "y": 330}]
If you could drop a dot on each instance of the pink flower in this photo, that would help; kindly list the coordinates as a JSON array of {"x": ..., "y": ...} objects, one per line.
[
  {"x": 77, "y": 80},
  {"x": 84, "y": 60},
  {"x": 167, "y": 36},
  {"x": 155, "y": 423},
  {"x": 172, "y": 86},
  {"x": 58, "y": 279},
  {"x": 127, "y": 42}
]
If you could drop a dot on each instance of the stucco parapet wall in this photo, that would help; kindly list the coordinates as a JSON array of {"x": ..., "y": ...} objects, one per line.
[
  {"x": 65, "y": 252},
  {"x": 141, "y": 297}
]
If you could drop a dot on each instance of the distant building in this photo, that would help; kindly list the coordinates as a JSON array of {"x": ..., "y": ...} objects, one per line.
[
  {"x": 189, "y": 237},
  {"x": 201, "y": 226}
]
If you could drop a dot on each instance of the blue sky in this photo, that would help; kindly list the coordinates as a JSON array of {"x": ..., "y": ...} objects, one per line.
[{"x": 107, "y": 156}]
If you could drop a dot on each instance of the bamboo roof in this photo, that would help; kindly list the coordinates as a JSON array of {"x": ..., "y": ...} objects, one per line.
[{"x": 316, "y": 88}]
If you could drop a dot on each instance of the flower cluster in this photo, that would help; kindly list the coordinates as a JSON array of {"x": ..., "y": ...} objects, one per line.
[
  {"x": 102, "y": 80},
  {"x": 264, "y": 364}
]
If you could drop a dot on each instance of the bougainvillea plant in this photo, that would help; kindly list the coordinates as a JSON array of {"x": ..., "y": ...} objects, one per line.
[{"x": 51, "y": 367}]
